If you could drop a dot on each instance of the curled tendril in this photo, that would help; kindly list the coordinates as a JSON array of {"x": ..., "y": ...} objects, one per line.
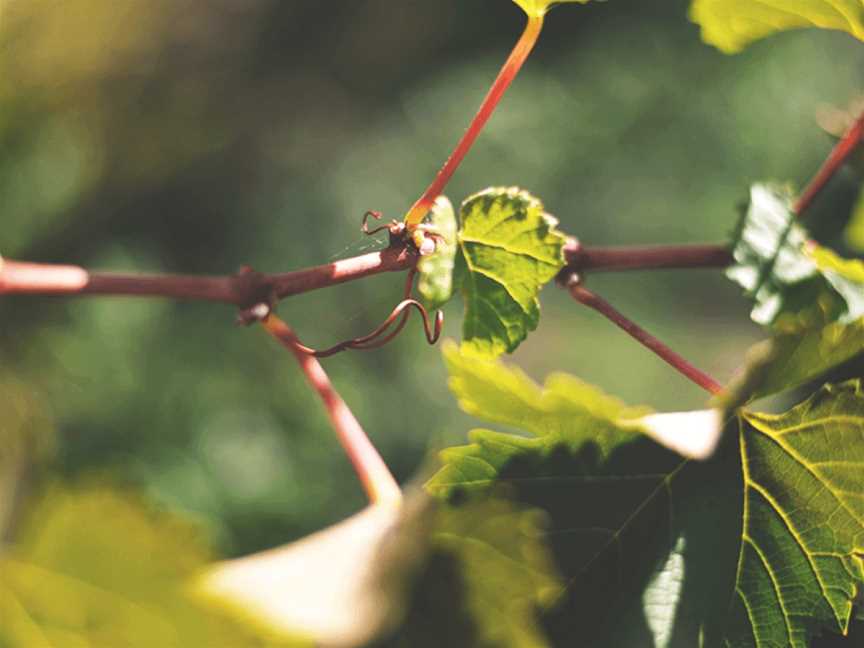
[{"x": 399, "y": 316}]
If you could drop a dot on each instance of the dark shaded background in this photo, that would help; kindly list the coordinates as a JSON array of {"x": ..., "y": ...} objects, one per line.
[{"x": 190, "y": 136}]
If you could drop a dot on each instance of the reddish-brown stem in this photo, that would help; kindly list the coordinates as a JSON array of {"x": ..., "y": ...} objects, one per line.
[
  {"x": 838, "y": 156},
  {"x": 376, "y": 478},
  {"x": 652, "y": 257},
  {"x": 248, "y": 288},
  {"x": 505, "y": 77},
  {"x": 595, "y": 301},
  {"x": 243, "y": 289}
]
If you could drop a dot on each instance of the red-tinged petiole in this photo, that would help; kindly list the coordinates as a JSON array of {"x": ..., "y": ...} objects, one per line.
[
  {"x": 505, "y": 77},
  {"x": 588, "y": 298},
  {"x": 378, "y": 482},
  {"x": 844, "y": 149}
]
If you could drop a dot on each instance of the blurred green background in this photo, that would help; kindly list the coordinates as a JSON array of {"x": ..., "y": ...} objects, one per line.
[{"x": 193, "y": 137}]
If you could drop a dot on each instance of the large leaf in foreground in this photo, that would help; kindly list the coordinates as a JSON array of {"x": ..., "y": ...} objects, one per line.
[
  {"x": 731, "y": 25},
  {"x": 618, "y": 504},
  {"x": 510, "y": 249},
  {"x": 802, "y": 551},
  {"x": 794, "y": 282},
  {"x": 97, "y": 568}
]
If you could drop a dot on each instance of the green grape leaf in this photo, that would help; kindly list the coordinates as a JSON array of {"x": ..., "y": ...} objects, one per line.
[
  {"x": 794, "y": 282},
  {"x": 418, "y": 575},
  {"x": 789, "y": 360},
  {"x": 435, "y": 281},
  {"x": 802, "y": 551},
  {"x": 510, "y": 249},
  {"x": 96, "y": 567},
  {"x": 538, "y": 8},
  {"x": 731, "y": 25},
  {"x": 618, "y": 504}
]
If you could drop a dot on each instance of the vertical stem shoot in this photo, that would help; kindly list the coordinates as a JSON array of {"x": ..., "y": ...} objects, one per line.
[
  {"x": 505, "y": 77},
  {"x": 378, "y": 482},
  {"x": 842, "y": 152}
]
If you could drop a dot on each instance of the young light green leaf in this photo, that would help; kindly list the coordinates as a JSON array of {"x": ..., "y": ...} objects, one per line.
[
  {"x": 794, "y": 282},
  {"x": 731, "y": 25},
  {"x": 802, "y": 546},
  {"x": 93, "y": 567},
  {"x": 510, "y": 249},
  {"x": 574, "y": 410},
  {"x": 435, "y": 282},
  {"x": 538, "y": 8}
]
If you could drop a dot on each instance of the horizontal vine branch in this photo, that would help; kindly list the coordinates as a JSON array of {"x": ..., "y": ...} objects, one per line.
[
  {"x": 243, "y": 289},
  {"x": 248, "y": 287}
]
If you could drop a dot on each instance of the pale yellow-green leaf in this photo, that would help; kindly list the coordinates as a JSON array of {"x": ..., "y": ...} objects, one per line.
[
  {"x": 731, "y": 25},
  {"x": 855, "y": 229}
]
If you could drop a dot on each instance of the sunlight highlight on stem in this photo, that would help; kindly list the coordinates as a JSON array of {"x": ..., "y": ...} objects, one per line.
[
  {"x": 378, "y": 482},
  {"x": 505, "y": 77}
]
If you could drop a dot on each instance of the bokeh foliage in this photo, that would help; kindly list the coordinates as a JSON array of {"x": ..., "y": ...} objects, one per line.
[{"x": 194, "y": 137}]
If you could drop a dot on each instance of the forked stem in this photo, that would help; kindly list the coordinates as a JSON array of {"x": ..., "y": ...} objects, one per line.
[
  {"x": 505, "y": 77},
  {"x": 378, "y": 482},
  {"x": 584, "y": 296}
]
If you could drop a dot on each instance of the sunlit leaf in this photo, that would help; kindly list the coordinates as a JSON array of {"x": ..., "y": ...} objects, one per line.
[
  {"x": 794, "y": 282},
  {"x": 510, "y": 249},
  {"x": 92, "y": 567},
  {"x": 731, "y": 25},
  {"x": 802, "y": 549},
  {"x": 539, "y": 7},
  {"x": 435, "y": 281}
]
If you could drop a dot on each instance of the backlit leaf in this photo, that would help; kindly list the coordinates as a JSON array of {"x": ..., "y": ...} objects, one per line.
[
  {"x": 731, "y": 25},
  {"x": 510, "y": 249},
  {"x": 802, "y": 549},
  {"x": 794, "y": 282}
]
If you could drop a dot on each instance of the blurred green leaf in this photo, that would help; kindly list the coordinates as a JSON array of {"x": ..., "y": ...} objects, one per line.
[
  {"x": 420, "y": 574},
  {"x": 511, "y": 249},
  {"x": 536, "y": 8},
  {"x": 95, "y": 567},
  {"x": 731, "y": 25},
  {"x": 435, "y": 282},
  {"x": 802, "y": 549},
  {"x": 794, "y": 282}
]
